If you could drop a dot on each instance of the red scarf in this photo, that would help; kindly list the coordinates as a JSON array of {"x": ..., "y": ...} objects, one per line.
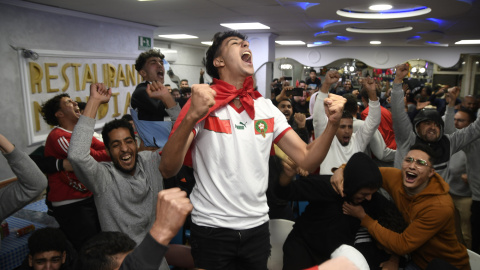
[{"x": 225, "y": 94}]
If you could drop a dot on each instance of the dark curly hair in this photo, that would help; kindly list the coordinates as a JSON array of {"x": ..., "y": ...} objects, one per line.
[
  {"x": 143, "y": 57},
  {"x": 213, "y": 51},
  {"x": 114, "y": 124},
  {"x": 99, "y": 251},
  {"x": 50, "y": 107}
]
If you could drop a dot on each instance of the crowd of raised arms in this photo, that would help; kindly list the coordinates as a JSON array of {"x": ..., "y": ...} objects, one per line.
[{"x": 389, "y": 169}]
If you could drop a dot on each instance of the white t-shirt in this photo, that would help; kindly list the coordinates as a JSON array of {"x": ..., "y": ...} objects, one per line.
[
  {"x": 339, "y": 154},
  {"x": 230, "y": 160}
]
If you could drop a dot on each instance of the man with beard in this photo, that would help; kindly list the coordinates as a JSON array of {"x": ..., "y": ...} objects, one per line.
[
  {"x": 347, "y": 143},
  {"x": 323, "y": 227},
  {"x": 422, "y": 197},
  {"x": 297, "y": 121},
  {"x": 125, "y": 191},
  {"x": 428, "y": 128}
]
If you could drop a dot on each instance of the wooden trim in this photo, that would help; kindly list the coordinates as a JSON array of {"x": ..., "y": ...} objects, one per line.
[{"x": 7, "y": 182}]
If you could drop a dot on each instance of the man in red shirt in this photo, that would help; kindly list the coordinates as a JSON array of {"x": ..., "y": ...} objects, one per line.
[
  {"x": 72, "y": 203},
  {"x": 386, "y": 123}
]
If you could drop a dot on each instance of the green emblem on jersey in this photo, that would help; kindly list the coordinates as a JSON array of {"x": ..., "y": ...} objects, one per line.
[{"x": 261, "y": 127}]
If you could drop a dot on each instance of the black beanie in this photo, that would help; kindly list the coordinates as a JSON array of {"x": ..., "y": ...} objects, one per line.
[
  {"x": 428, "y": 114},
  {"x": 360, "y": 172}
]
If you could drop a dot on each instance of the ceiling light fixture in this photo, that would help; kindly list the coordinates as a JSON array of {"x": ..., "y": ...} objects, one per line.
[
  {"x": 468, "y": 41},
  {"x": 286, "y": 66},
  {"x": 209, "y": 43},
  {"x": 379, "y": 30},
  {"x": 290, "y": 42},
  {"x": 393, "y": 14},
  {"x": 375, "y": 42},
  {"x": 342, "y": 38},
  {"x": 319, "y": 43},
  {"x": 380, "y": 7},
  {"x": 178, "y": 36},
  {"x": 245, "y": 26},
  {"x": 435, "y": 43},
  {"x": 320, "y": 33}
]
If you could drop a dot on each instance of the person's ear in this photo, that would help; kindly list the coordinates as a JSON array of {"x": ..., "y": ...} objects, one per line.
[
  {"x": 64, "y": 257},
  {"x": 58, "y": 114},
  {"x": 107, "y": 151},
  {"x": 432, "y": 172},
  {"x": 142, "y": 73},
  {"x": 30, "y": 260},
  {"x": 218, "y": 62}
]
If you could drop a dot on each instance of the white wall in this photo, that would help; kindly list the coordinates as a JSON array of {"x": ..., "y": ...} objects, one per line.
[{"x": 29, "y": 25}]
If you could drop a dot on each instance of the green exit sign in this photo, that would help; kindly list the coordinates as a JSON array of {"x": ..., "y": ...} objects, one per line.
[{"x": 144, "y": 43}]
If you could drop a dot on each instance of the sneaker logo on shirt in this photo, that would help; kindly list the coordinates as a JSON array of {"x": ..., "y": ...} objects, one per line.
[{"x": 242, "y": 126}]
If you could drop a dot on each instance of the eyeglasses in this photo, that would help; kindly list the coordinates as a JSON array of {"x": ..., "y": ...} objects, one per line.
[{"x": 418, "y": 162}]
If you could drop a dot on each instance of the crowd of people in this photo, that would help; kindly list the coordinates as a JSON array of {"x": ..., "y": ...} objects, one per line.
[{"x": 391, "y": 173}]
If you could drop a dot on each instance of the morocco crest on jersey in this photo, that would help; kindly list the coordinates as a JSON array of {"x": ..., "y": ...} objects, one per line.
[{"x": 263, "y": 126}]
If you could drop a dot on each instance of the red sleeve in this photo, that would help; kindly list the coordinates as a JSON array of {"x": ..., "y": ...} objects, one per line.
[
  {"x": 98, "y": 152},
  {"x": 364, "y": 114},
  {"x": 187, "y": 161}
]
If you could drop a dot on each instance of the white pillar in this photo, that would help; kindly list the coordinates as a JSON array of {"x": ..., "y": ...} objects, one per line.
[{"x": 263, "y": 51}]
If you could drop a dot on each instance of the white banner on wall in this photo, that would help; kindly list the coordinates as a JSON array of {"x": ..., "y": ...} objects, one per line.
[{"x": 57, "y": 72}]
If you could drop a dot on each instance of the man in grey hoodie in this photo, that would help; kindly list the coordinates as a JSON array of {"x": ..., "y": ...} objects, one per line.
[{"x": 125, "y": 191}]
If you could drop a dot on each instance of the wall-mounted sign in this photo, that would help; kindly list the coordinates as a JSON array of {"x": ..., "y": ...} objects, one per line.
[
  {"x": 56, "y": 72},
  {"x": 144, "y": 43}
]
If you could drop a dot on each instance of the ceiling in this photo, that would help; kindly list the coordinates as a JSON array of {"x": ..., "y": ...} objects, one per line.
[{"x": 316, "y": 21}]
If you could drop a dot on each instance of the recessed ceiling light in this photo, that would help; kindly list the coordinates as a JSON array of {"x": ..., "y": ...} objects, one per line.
[
  {"x": 393, "y": 14},
  {"x": 245, "y": 26},
  {"x": 178, "y": 36},
  {"x": 290, "y": 42},
  {"x": 163, "y": 50},
  {"x": 375, "y": 42},
  {"x": 319, "y": 43},
  {"x": 380, "y": 7},
  {"x": 209, "y": 43},
  {"x": 468, "y": 41},
  {"x": 379, "y": 30}
]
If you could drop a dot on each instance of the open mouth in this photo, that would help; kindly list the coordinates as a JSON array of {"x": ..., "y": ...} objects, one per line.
[
  {"x": 127, "y": 161},
  {"x": 247, "y": 57},
  {"x": 410, "y": 177},
  {"x": 77, "y": 111}
]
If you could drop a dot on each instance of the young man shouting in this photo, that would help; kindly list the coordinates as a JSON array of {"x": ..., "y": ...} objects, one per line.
[{"x": 229, "y": 129}]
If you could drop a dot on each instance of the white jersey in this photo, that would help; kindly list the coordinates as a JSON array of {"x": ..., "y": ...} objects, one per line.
[{"x": 230, "y": 160}]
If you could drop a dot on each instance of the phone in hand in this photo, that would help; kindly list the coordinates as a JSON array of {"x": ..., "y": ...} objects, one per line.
[{"x": 295, "y": 92}]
